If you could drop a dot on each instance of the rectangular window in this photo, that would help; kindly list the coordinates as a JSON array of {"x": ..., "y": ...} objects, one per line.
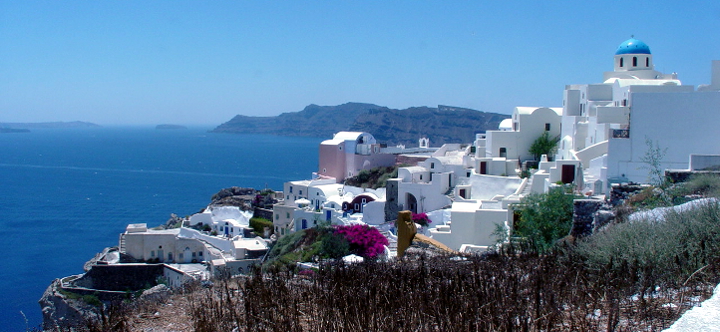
[
  {"x": 287, "y": 215},
  {"x": 200, "y": 253},
  {"x": 291, "y": 189},
  {"x": 547, "y": 127},
  {"x": 152, "y": 253}
]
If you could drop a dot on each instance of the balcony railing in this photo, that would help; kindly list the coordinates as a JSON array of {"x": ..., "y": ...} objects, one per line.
[{"x": 621, "y": 133}]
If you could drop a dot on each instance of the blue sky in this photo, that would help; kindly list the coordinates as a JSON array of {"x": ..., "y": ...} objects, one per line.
[{"x": 203, "y": 62}]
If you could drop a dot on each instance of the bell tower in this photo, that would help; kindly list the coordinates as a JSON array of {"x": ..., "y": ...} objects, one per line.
[{"x": 633, "y": 55}]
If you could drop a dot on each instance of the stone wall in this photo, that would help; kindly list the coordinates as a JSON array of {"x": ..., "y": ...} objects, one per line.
[
  {"x": 391, "y": 197},
  {"x": 259, "y": 212},
  {"x": 583, "y": 216},
  {"x": 622, "y": 191},
  {"x": 121, "y": 277}
]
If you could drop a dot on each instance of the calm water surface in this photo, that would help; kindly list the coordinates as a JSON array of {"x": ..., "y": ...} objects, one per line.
[{"x": 66, "y": 194}]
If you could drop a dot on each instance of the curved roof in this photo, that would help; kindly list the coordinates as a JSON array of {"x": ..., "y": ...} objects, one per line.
[
  {"x": 530, "y": 110},
  {"x": 506, "y": 124},
  {"x": 633, "y": 46},
  {"x": 347, "y": 135}
]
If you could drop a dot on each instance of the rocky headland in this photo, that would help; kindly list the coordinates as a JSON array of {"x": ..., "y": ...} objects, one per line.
[{"x": 442, "y": 124}]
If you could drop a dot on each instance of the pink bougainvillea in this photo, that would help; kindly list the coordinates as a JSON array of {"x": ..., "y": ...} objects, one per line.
[
  {"x": 364, "y": 240},
  {"x": 421, "y": 218}
]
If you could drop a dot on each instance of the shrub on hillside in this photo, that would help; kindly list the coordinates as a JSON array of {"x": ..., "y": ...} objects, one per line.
[
  {"x": 701, "y": 184},
  {"x": 673, "y": 247}
]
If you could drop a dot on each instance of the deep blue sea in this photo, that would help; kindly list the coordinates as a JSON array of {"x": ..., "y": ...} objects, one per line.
[{"x": 65, "y": 194}]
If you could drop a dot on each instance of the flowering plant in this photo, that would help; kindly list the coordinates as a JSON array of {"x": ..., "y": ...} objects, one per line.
[
  {"x": 308, "y": 273},
  {"x": 364, "y": 240},
  {"x": 421, "y": 218}
]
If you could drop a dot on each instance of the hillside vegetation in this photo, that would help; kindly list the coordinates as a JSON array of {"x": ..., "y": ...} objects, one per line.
[{"x": 389, "y": 126}]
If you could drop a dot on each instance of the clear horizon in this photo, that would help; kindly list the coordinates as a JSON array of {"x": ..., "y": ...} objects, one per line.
[{"x": 200, "y": 64}]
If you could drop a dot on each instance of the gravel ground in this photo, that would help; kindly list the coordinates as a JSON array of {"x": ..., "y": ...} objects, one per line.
[{"x": 170, "y": 316}]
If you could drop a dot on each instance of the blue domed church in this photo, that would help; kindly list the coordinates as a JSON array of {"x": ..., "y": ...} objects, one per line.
[{"x": 606, "y": 126}]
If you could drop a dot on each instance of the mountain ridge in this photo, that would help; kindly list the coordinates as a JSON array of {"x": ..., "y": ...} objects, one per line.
[{"x": 442, "y": 124}]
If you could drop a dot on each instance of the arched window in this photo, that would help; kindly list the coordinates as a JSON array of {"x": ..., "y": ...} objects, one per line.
[
  {"x": 621, "y": 62},
  {"x": 634, "y": 61}
]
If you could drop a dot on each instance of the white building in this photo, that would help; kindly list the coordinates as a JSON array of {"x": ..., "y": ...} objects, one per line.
[
  {"x": 425, "y": 187},
  {"x": 500, "y": 152},
  {"x": 229, "y": 221},
  {"x": 605, "y": 126}
]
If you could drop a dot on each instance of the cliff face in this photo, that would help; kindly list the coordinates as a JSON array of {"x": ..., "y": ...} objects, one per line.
[
  {"x": 60, "y": 311},
  {"x": 390, "y": 126}
]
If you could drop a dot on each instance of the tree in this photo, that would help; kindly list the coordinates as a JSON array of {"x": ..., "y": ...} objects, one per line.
[
  {"x": 545, "y": 218},
  {"x": 653, "y": 159},
  {"x": 544, "y": 145}
]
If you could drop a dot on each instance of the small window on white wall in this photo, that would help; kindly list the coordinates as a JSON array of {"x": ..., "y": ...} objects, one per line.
[{"x": 547, "y": 127}]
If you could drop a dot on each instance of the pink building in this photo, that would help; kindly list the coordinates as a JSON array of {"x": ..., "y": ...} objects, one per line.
[{"x": 348, "y": 153}]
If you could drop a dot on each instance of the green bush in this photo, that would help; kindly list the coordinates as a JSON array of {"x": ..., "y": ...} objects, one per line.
[
  {"x": 334, "y": 245},
  {"x": 544, "y": 145},
  {"x": 544, "y": 218},
  {"x": 258, "y": 225}
]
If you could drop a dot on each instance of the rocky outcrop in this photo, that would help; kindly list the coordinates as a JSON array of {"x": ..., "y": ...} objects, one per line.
[
  {"x": 158, "y": 293},
  {"x": 107, "y": 253},
  {"x": 59, "y": 310},
  {"x": 244, "y": 198}
]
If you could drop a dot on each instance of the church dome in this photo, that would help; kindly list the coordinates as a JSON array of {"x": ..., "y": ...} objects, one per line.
[{"x": 633, "y": 46}]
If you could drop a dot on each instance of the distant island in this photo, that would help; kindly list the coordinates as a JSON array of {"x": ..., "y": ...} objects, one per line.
[
  {"x": 45, "y": 125},
  {"x": 13, "y": 130},
  {"x": 170, "y": 126},
  {"x": 442, "y": 124}
]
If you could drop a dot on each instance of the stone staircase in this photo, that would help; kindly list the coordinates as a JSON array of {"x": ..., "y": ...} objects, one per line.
[
  {"x": 392, "y": 241},
  {"x": 122, "y": 243},
  {"x": 528, "y": 187}
]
